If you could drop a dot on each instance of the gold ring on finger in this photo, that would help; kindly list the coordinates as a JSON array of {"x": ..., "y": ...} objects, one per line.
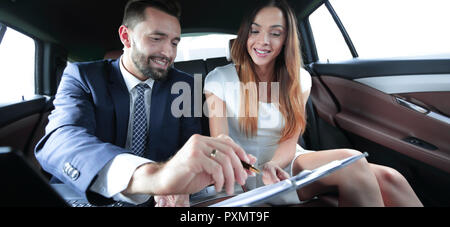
[{"x": 213, "y": 153}]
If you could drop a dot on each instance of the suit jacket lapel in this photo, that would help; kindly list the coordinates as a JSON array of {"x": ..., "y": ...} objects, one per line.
[
  {"x": 121, "y": 99},
  {"x": 157, "y": 113}
]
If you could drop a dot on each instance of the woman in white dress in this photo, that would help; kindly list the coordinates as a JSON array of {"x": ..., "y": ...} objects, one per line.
[{"x": 268, "y": 120}]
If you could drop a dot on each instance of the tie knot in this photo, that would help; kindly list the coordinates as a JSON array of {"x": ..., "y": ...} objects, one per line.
[{"x": 142, "y": 87}]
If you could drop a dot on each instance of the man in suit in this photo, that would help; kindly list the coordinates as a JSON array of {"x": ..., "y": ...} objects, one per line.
[{"x": 112, "y": 125}]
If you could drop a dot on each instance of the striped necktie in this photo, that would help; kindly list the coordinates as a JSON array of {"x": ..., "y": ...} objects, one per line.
[{"x": 139, "y": 140}]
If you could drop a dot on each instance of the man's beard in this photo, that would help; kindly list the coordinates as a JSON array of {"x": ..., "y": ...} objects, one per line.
[{"x": 142, "y": 63}]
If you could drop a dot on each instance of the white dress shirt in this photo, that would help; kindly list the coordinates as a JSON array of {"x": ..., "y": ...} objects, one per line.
[{"x": 116, "y": 174}]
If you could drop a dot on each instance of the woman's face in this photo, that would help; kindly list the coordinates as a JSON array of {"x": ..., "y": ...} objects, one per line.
[{"x": 267, "y": 36}]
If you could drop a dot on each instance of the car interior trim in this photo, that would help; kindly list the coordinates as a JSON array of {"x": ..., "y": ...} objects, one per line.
[
  {"x": 408, "y": 83},
  {"x": 342, "y": 29},
  {"x": 390, "y": 125},
  {"x": 423, "y": 110}
]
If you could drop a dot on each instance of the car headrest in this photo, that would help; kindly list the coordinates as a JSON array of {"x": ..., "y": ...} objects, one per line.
[{"x": 230, "y": 45}]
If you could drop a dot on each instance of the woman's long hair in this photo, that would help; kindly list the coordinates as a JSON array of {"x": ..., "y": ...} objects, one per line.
[{"x": 287, "y": 73}]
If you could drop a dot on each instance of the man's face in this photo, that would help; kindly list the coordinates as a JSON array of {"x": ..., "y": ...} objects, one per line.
[{"x": 154, "y": 44}]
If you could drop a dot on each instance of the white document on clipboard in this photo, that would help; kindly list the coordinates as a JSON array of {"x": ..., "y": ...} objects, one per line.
[{"x": 262, "y": 194}]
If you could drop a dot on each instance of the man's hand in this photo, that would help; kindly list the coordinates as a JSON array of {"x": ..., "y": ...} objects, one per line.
[
  {"x": 193, "y": 168},
  {"x": 172, "y": 200}
]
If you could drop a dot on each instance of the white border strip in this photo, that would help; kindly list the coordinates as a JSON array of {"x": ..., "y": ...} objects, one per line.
[{"x": 408, "y": 84}]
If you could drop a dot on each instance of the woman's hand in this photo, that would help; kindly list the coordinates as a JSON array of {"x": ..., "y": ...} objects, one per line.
[
  {"x": 172, "y": 201},
  {"x": 272, "y": 173}
]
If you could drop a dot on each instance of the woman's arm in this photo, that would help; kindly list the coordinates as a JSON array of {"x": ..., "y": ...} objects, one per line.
[
  {"x": 217, "y": 110},
  {"x": 286, "y": 151},
  {"x": 273, "y": 170}
]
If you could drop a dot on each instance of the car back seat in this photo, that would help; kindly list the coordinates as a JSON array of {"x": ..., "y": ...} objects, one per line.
[
  {"x": 212, "y": 63},
  {"x": 201, "y": 67}
]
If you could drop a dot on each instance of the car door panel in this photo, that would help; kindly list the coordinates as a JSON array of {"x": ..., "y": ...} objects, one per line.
[
  {"x": 365, "y": 68},
  {"x": 374, "y": 110},
  {"x": 22, "y": 125},
  {"x": 376, "y": 116},
  {"x": 16, "y": 134},
  {"x": 324, "y": 104}
]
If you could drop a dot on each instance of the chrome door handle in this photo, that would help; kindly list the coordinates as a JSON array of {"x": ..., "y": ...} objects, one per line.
[
  {"x": 412, "y": 106},
  {"x": 423, "y": 110}
]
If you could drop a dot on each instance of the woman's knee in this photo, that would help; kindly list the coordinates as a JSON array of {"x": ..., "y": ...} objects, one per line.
[
  {"x": 349, "y": 152},
  {"x": 358, "y": 173},
  {"x": 361, "y": 165},
  {"x": 352, "y": 179},
  {"x": 390, "y": 176},
  {"x": 315, "y": 160}
]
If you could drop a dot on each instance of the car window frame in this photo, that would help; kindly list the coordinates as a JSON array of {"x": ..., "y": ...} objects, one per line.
[
  {"x": 313, "y": 46},
  {"x": 341, "y": 27},
  {"x": 3, "y": 29}
]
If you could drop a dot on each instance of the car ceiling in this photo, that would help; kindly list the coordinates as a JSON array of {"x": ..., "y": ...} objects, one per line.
[{"x": 88, "y": 29}]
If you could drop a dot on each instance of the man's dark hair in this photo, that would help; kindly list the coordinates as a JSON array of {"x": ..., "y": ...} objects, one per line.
[{"x": 134, "y": 10}]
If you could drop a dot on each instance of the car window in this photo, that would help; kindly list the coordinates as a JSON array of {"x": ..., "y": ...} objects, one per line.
[
  {"x": 17, "y": 56},
  {"x": 202, "y": 46},
  {"x": 330, "y": 43},
  {"x": 386, "y": 28}
]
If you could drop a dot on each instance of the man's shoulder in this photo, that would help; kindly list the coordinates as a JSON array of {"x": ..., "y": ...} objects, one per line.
[
  {"x": 89, "y": 65},
  {"x": 178, "y": 75},
  {"x": 91, "y": 70}
]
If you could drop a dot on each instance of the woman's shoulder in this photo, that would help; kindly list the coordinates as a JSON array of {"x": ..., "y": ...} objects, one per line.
[
  {"x": 224, "y": 73},
  {"x": 225, "y": 68},
  {"x": 220, "y": 79},
  {"x": 305, "y": 80}
]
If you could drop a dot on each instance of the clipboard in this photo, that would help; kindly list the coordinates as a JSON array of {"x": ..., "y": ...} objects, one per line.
[{"x": 262, "y": 194}]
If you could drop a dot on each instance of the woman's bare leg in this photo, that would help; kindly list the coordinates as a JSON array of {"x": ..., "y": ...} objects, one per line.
[
  {"x": 394, "y": 188},
  {"x": 356, "y": 184}
]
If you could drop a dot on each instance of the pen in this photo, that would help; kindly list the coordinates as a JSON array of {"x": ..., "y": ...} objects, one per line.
[{"x": 250, "y": 167}]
